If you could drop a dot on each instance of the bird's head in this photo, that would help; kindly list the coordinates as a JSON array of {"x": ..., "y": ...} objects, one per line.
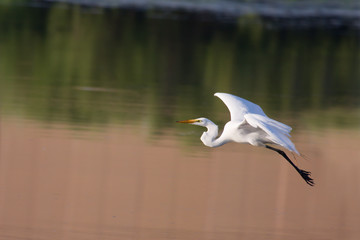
[{"x": 203, "y": 122}]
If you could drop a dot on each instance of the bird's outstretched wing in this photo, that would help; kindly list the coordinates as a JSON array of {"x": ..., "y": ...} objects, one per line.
[
  {"x": 238, "y": 106},
  {"x": 277, "y": 132},
  {"x": 245, "y": 111}
]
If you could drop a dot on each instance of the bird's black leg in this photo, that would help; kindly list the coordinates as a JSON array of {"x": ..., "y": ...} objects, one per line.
[{"x": 304, "y": 174}]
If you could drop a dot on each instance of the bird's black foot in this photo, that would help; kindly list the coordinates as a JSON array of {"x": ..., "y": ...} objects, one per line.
[{"x": 306, "y": 176}]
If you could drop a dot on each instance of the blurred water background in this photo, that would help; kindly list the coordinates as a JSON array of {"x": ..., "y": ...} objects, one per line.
[{"x": 90, "y": 92}]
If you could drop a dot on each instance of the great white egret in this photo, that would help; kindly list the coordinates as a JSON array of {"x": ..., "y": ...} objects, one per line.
[{"x": 249, "y": 124}]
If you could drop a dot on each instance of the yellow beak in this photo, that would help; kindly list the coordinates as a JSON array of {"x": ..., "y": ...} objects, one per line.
[{"x": 188, "y": 121}]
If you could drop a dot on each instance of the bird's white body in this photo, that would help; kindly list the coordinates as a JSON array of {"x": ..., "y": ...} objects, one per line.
[{"x": 249, "y": 124}]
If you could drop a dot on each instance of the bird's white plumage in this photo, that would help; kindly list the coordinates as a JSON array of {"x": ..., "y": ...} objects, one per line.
[
  {"x": 249, "y": 124},
  {"x": 277, "y": 133},
  {"x": 238, "y": 106},
  {"x": 246, "y": 112}
]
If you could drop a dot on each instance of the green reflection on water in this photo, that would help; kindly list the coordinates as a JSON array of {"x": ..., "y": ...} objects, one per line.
[{"x": 80, "y": 66}]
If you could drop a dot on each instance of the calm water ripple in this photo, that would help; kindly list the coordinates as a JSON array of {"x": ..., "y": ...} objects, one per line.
[{"x": 89, "y": 147}]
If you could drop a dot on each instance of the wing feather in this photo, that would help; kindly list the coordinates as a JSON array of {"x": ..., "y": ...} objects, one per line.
[
  {"x": 245, "y": 111},
  {"x": 278, "y": 133},
  {"x": 238, "y": 106}
]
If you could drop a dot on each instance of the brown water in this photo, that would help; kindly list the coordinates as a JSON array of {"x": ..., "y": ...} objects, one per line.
[
  {"x": 89, "y": 147},
  {"x": 119, "y": 185}
]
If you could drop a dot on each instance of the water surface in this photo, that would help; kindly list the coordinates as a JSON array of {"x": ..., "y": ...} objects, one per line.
[{"x": 89, "y": 147}]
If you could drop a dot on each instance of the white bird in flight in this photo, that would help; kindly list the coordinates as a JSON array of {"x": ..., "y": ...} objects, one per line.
[{"x": 249, "y": 124}]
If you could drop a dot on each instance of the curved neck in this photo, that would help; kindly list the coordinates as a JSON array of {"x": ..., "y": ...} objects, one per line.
[{"x": 209, "y": 137}]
